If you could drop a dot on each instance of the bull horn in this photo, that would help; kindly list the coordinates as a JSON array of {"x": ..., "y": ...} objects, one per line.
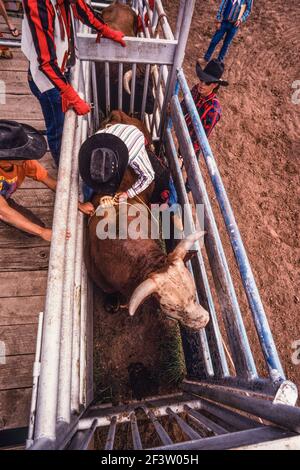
[
  {"x": 185, "y": 245},
  {"x": 140, "y": 294},
  {"x": 126, "y": 80}
]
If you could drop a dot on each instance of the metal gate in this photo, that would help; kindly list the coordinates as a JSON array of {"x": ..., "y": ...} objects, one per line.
[{"x": 223, "y": 383}]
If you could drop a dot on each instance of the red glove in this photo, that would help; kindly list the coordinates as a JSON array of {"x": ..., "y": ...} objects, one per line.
[
  {"x": 71, "y": 99},
  {"x": 109, "y": 33}
]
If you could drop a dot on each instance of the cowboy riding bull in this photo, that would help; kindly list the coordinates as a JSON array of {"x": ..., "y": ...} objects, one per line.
[
  {"x": 124, "y": 19},
  {"x": 114, "y": 162}
]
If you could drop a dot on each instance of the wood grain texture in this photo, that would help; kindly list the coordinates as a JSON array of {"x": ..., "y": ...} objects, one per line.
[
  {"x": 17, "y": 372},
  {"x": 21, "y": 107},
  {"x": 24, "y": 258},
  {"x": 14, "y": 284},
  {"x": 14, "y": 408},
  {"x": 21, "y": 310},
  {"x": 18, "y": 339},
  {"x": 34, "y": 197}
]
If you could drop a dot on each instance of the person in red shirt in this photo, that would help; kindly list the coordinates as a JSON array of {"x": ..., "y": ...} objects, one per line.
[
  {"x": 48, "y": 43},
  {"x": 20, "y": 148}
]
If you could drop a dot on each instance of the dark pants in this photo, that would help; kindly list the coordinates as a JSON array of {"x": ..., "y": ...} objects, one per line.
[
  {"x": 229, "y": 30},
  {"x": 50, "y": 102}
]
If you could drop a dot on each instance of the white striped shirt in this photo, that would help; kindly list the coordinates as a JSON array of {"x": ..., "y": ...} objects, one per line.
[{"x": 138, "y": 157}]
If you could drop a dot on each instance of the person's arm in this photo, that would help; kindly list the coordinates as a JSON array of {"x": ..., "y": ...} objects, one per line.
[
  {"x": 247, "y": 11},
  {"x": 221, "y": 11},
  {"x": 13, "y": 217},
  {"x": 40, "y": 15},
  {"x": 85, "y": 207},
  {"x": 144, "y": 170},
  {"x": 211, "y": 118},
  {"x": 84, "y": 13}
]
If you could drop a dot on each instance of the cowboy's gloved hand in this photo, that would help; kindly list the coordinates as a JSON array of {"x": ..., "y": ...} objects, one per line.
[
  {"x": 120, "y": 197},
  {"x": 71, "y": 99},
  {"x": 109, "y": 33}
]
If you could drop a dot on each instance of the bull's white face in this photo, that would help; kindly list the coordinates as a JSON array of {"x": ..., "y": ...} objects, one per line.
[
  {"x": 176, "y": 292},
  {"x": 175, "y": 289}
]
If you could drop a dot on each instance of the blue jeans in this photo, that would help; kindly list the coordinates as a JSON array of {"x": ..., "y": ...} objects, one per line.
[
  {"x": 50, "y": 102},
  {"x": 229, "y": 30}
]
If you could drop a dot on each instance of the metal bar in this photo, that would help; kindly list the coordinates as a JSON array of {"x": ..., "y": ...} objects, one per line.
[
  {"x": 104, "y": 416},
  {"x": 10, "y": 43},
  {"x": 120, "y": 86},
  {"x": 137, "y": 50},
  {"x": 155, "y": 121},
  {"x": 207, "y": 423},
  {"x": 179, "y": 19},
  {"x": 217, "y": 352},
  {"x": 257, "y": 385},
  {"x": 64, "y": 380},
  {"x": 75, "y": 387},
  {"x": 162, "y": 433},
  {"x": 258, "y": 313},
  {"x": 95, "y": 98},
  {"x": 145, "y": 92},
  {"x": 109, "y": 445},
  {"x": 229, "y": 441},
  {"x": 82, "y": 439},
  {"x": 236, "y": 332},
  {"x": 36, "y": 374},
  {"x": 136, "y": 438},
  {"x": 107, "y": 89},
  {"x": 164, "y": 23},
  {"x": 83, "y": 338},
  {"x": 179, "y": 56},
  {"x": 185, "y": 428},
  {"x": 133, "y": 84},
  {"x": 48, "y": 383},
  {"x": 238, "y": 421},
  {"x": 282, "y": 415}
]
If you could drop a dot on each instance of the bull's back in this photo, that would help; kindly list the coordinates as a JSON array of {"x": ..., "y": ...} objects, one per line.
[{"x": 117, "y": 265}]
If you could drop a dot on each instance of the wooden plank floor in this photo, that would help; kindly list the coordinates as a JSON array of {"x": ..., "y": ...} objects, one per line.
[{"x": 23, "y": 260}]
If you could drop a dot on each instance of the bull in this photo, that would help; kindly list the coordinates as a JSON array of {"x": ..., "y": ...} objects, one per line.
[
  {"x": 123, "y": 18},
  {"x": 139, "y": 268}
]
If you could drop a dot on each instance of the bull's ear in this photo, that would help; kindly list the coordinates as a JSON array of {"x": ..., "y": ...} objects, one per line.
[{"x": 183, "y": 248}]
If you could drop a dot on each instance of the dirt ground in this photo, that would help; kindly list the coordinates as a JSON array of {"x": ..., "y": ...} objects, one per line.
[{"x": 256, "y": 145}]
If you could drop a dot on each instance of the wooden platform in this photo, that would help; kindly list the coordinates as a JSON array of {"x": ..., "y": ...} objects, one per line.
[{"x": 23, "y": 260}]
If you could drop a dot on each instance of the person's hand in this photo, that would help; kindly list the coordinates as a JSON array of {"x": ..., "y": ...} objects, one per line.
[
  {"x": 71, "y": 99},
  {"x": 120, "y": 197},
  {"x": 238, "y": 23},
  {"x": 46, "y": 234},
  {"x": 86, "y": 208},
  {"x": 218, "y": 24},
  {"x": 109, "y": 33}
]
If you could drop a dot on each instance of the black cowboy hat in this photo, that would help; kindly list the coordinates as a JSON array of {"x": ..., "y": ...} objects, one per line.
[
  {"x": 103, "y": 159},
  {"x": 212, "y": 72},
  {"x": 20, "y": 141}
]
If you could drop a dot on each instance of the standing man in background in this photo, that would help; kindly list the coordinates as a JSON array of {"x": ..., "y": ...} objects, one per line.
[
  {"x": 230, "y": 16},
  {"x": 48, "y": 44}
]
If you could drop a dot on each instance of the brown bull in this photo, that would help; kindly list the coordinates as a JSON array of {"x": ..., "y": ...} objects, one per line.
[
  {"x": 123, "y": 18},
  {"x": 138, "y": 268}
]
